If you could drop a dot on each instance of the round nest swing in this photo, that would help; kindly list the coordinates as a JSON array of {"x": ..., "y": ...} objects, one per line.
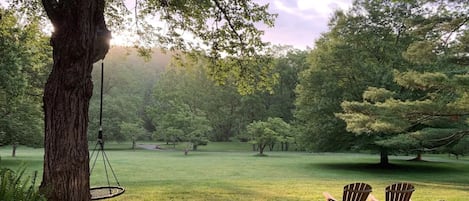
[{"x": 105, "y": 192}]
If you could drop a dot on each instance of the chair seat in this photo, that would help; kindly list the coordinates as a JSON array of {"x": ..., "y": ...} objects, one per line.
[
  {"x": 399, "y": 192},
  {"x": 352, "y": 192}
]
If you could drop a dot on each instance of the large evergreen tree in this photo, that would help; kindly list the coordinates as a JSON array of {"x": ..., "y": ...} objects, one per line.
[{"x": 437, "y": 118}]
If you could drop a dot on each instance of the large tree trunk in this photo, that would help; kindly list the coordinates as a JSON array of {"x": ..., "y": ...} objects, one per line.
[
  {"x": 384, "y": 160},
  {"x": 417, "y": 158},
  {"x": 80, "y": 38}
]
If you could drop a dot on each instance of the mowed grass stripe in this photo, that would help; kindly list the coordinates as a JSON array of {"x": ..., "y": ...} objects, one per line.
[{"x": 240, "y": 175}]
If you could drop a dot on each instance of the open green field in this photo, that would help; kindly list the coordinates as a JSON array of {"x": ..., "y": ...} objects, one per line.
[{"x": 237, "y": 174}]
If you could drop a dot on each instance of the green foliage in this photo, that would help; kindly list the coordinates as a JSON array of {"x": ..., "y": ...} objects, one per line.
[
  {"x": 136, "y": 92},
  {"x": 264, "y": 133},
  {"x": 128, "y": 82},
  {"x": 404, "y": 143},
  {"x": 176, "y": 108},
  {"x": 225, "y": 31},
  {"x": 361, "y": 49},
  {"x": 461, "y": 148},
  {"x": 23, "y": 70},
  {"x": 134, "y": 130},
  {"x": 420, "y": 123},
  {"x": 14, "y": 186},
  {"x": 440, "y": 33},
  {"x": 366, "y": 48},
  {"x": 374, "y": 94},
  {"x": 226, "y": 111},
  {"x": 421, "y": 52},
  {"x": 418, "y": 81},
  {"x": 281, "y": 102}
]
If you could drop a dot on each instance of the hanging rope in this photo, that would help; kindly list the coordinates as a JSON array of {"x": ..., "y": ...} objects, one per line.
[{"x": 99, "y": 193}]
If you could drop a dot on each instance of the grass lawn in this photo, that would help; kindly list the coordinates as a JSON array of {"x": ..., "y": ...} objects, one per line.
[{"x": 213, "y": 174}]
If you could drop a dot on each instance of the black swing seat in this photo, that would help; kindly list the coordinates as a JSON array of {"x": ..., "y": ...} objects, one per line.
[{"x": 105, "y": 192}]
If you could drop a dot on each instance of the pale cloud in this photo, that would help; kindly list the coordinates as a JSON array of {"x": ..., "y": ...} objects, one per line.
[
  {"x": 301, "y": 22},
  {"x": 311, "y": 9},
  {"x": 292, "y": 10},
  {"x": 322, "y": 6}
]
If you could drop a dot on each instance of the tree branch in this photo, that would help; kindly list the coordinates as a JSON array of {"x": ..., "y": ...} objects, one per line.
[
  {"x": 230, "y": 23},
  {"x": 449, "y": 139},
  {"x": 455, "y": 29}
]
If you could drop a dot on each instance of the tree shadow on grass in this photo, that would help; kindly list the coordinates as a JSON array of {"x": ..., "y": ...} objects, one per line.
[
  {"x": 434, "y": 172},
  {"x": 408, "y": 167}
]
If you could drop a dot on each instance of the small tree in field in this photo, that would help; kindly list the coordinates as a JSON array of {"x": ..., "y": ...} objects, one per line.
[
  {"x": 171, "y": 134},
  {"x": 264, "y": 133},
  {"x": 283, "y": 130},
  {"x": 132, "y": 131},
  {"x": 261, "y": 135}
]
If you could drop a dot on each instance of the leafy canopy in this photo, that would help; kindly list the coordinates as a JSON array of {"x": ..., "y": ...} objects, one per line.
[{"x": 218, "y": 28}]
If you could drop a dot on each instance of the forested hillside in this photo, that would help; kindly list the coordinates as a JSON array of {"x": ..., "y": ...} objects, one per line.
[
  {"x": 178, "y": 101},
  {"x": 128, "y": 84}
]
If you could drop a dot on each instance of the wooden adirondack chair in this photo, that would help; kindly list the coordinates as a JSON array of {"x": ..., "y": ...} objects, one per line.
[
  {"x": 398, "y": 192},
  {"x": 352, "y": 192}
]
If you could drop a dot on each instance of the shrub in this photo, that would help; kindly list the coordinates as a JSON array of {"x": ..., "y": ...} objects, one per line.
[{"x": 15, "y": 187}]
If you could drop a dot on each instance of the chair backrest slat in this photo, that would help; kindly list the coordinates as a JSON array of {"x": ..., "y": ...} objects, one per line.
[
  {"x": 399, "y": 192},
  {"x": 356, "y": 192}
]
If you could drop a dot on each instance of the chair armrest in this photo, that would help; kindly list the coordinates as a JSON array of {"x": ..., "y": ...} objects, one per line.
[
  {"x": 371, "y": 197},
  {"x": 328, "y": 197}
]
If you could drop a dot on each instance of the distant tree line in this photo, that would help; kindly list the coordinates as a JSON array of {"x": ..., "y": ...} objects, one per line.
[{"x": 177, "y": 101}]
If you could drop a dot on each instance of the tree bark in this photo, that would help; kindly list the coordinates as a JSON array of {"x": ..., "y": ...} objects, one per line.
[
  {"x": 417, "y": 158},
  {"x": 384, "y": 160},
  {"x": 261, "y": 148},
  {"x": 80, "y": 38},
  {"x": 14, "y": 146}
]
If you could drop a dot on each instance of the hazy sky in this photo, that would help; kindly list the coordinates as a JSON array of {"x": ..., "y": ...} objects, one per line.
[{"x": 300, "y": 22}]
